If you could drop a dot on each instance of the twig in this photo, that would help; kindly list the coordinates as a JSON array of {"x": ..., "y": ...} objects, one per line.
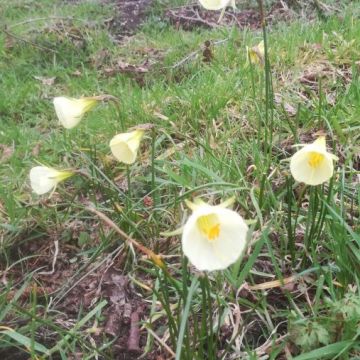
[
  {"x": 134, "y": 336},
  {"x": 154, "y": 257},
  {"x": 56, "y": 244},
  {"x": 8, "y": 33},
  {"x": 197, "y": 19},
  {"x": 45, "y": 18},
  {"x": 156, "y": 337},
  {"x": 193, "y": 54}
]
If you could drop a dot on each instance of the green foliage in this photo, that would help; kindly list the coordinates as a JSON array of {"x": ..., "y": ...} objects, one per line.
[
  {"x": 341, "y": 323},
  {"x": 216, "y": 135}
]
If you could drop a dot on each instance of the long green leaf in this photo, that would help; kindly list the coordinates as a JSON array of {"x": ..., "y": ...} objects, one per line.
[
  {"x": 25, "y": 341},
  {"x": 194, "y": 285},
  {"x": 326, "y": 351}
]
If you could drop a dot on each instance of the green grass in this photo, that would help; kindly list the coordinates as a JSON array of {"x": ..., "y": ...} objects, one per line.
[{"x": 212, "y": 140}]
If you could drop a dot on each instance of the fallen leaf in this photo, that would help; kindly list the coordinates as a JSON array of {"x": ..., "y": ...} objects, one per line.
[
  {"x": 129, "y": 68},
  {"x": 5, "y": 152},
  {"x": 76, "y": 73},
  {"x": 160, "y": 116},
  {"x": 46, "y": 81},
  {"x": 36, "y": 150}
]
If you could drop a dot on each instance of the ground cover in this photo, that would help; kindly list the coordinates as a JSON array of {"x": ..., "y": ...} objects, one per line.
[{"x": 72, "y": 287}]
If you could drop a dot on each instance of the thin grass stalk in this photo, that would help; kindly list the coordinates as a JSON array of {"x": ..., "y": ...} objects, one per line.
[
  {"x": 128, "y": 172},
  {"x": 312, "y": 213},
  {"x": 203, "y": 332},
  {"x": 210, "y": 314},
  {"x": 184, "y": 318},
  {"x": 291, "y": 234},
  {"x": 33, "y": 322},
  {"x": 164, "y": 298},
  {"x": 268, "y": 128},
  {"x": 185, "y": 278},
  {"x": 254, "y": 97}
]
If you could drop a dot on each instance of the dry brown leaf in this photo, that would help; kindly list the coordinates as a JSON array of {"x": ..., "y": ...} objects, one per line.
[
  {"x": 76, "y": 73},
  {"x": 129, "y": 68},
  {"x": 36, "y": 150},
  {"x": 5, "y": 152}
]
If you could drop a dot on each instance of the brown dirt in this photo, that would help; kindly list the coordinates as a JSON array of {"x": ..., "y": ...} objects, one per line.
[
  {"x": 121, "y": 316},
  {"x": 193, "y": 16},
  {"x": 129, "y": 15}
]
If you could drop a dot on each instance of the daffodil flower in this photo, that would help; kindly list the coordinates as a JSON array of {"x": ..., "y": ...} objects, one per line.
[
  {"x": 44, "y": 179},
  {"x": 312, "y": 164},
  {"x": 213, "y": 237},
  {"x": 125, "y": 146},
  {"x": 70, "y": 111},
  {"x": 216, "y": 4},
  {"x": 256, "y": 54}
]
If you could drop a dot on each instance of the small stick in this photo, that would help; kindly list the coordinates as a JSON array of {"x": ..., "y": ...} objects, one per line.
[
  {"x": 134, "y": 336},
  {"x": 45, "y": 18},
  {"x": 56, "y": 243},
  {"x": 8, "y": 33},
  {"x": 154, "y": 257},
  {"x": 156, "y": 337}
]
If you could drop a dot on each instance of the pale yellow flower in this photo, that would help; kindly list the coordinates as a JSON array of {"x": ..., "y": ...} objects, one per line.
[
  {"x": 70, "y": 111},
  {"x": 256, "y": 54},
  {"x": 125, "y": 146},
  {"x": 44, "y": 179},
  {"x": 213, "y": 237},
  {"x": 216, "y": 4},
  {"x": 312, "y": 164}
]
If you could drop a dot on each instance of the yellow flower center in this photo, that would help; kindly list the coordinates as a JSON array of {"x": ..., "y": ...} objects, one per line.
[
  {"x": 315, "y": 159},
  {"x": 209, "y": 226}
]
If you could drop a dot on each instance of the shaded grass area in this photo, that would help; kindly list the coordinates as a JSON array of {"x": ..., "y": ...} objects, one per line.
[{"x": 209, "y": 141}]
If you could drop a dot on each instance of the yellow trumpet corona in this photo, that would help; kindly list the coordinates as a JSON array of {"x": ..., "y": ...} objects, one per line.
[
  {"x": 256, "y": 54},
  {"x": 213, "y": 237},
  {"x": 313, "y": 164}
]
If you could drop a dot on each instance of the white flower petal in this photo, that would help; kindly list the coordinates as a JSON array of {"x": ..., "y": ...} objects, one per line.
[
  {"x": 216, "y": 4},
  {"x": 42, "y": 179},
  {"x": 220, "y": 252},
  {"x": 70, "y": 111},
  {"x": 125, "y": 146}
]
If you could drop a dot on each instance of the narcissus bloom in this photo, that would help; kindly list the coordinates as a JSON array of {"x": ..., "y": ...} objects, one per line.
[
  {"x": 216, "y": 4},
  {"x": 125, "y": 146},
  {"x": 213, "y": 237},
  {"x": 256, "y": 54},
  {"x": 312, "y": 164},
  {"x": 44, "y": 179},
  {"x": 70, "y": 111}
]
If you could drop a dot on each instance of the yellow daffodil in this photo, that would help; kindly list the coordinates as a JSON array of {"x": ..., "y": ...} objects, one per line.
[
  {"x": 256, "y": 54},
  {"x": 213, "y": 237},
  {"x": 216, "y": 4},
  {"x": 44, "y": 179},
  {"x": 125, "y": 146},
  {"x": 70, "y": 111},
  {"x": 312, "y": 164}
]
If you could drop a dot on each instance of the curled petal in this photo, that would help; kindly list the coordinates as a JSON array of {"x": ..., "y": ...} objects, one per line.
[{"x": 125, "y": 146}]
